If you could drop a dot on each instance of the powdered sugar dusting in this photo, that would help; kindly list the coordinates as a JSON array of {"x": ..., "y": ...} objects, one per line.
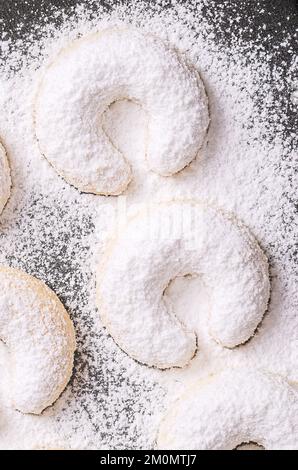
[{"x": 52, "y": 231}]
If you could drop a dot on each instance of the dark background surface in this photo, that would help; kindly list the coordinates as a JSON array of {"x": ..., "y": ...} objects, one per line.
[
  {"x": 274, "y": 14},
  {"x": 19, "y": 17}
]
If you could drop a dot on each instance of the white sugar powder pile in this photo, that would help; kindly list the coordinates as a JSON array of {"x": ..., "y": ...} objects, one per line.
[{"x": 57, "y": 234}]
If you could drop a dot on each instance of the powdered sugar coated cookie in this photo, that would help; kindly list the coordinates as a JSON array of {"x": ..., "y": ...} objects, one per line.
[
  {"x": 94, "y": 72},
  {"x": 175, "y": 239},
  {"x": 40, "y": 339},
  {"x": 235, "y": 406}
]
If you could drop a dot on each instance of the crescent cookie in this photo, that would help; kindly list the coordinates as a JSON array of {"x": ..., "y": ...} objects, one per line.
[
  {"x": 91, "y": 74},
  {"x": 5, "y": 180},
  {"x": 231, "y": 408},
  {"x": 40, "y": 339},
  {"x": 175, "y": 239}
]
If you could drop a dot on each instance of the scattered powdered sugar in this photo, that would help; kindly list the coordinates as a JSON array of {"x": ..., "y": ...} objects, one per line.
[{"x": 57, "y": 234}]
